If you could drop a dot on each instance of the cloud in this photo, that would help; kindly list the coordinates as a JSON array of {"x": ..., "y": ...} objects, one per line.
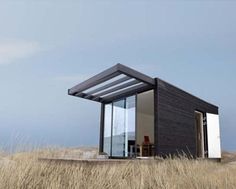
[{"x": 13, "y": 50}]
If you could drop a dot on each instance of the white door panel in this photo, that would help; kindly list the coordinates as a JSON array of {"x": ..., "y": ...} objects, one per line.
[{"x": 213, "y": 135}]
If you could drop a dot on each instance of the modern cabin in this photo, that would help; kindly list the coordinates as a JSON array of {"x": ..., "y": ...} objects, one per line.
[{"x": 143, "y": 116}]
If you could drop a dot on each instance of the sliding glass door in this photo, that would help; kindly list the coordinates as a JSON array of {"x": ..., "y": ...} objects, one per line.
[
  {"x": 107, "y": 129},
  {"x": 119, "y": 127},
  {"x": 130, "y": 122}
]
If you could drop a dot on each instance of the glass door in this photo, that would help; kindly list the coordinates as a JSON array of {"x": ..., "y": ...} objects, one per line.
[
  {"x": 107, "y": 129},
  {"x": 119, "y": 128},
  {"x": 130, "y": 122}
]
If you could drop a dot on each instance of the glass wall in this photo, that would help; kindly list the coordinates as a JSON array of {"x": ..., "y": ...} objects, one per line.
[
  {"x": 130, "y": 120},
  {"x": 107, "y": 129},
  {"x": 119, "y": 128}
]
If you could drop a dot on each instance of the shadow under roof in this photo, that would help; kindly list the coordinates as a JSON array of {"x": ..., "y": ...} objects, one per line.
[{"x": 114, "y": 83}]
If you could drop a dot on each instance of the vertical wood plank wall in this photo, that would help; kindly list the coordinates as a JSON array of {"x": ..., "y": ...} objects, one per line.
[{"x": 175, "y": 124}]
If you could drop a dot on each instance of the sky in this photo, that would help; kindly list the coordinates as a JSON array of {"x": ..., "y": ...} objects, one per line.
[{"x": 49, "y": 46}]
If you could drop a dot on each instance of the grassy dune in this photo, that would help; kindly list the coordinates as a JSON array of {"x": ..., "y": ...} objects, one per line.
[{"x": 24, "y": 170}]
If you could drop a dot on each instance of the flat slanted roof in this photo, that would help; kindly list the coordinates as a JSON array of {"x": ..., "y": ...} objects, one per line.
[{"x": 114, "y": 83}]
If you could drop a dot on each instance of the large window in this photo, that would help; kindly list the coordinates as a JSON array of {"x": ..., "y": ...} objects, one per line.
[
  {"x": 119, "y": 127},
  {"x": 130, "y": 121},
  {"x": 107, "y": 129}
]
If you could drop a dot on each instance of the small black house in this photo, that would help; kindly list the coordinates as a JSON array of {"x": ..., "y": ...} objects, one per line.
[{"x": 143, "y": 116}]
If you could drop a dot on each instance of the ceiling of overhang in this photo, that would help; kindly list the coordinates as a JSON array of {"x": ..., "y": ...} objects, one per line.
[{"x": 114, "y": 83}]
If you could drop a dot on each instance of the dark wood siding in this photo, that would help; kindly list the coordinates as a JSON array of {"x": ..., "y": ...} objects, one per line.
[{"x": 175, "y": 125}]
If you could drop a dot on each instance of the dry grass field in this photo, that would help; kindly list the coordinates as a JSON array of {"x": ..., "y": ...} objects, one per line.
[{"x": 25, "y": 170}]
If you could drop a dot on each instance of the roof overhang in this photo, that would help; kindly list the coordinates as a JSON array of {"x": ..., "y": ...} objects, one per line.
[{"x": 114, "y": 83}]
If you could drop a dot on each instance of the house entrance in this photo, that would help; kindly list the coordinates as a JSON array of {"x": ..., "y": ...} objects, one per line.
[{"x": 199, "y": 134}]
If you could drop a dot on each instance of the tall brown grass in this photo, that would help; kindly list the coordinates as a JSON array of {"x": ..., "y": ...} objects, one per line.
[{"x": 24, "y": 170}]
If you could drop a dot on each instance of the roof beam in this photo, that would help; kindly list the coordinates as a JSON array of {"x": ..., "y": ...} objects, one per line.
[
  {"x": 83, "y": 95},
  {"x": 127, "y": 92},
  {"x": 114, "y": 89},
  {"x": 135, "y": 74},
  {"x": 118, "y": 81}
]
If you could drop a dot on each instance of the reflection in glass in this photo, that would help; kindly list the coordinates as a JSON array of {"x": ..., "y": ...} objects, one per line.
[
  {"x": 123, "y": 131},
  {"x": 118, "y": 130},
  {"x": 130, "y": 126},
  {"x": 107, "y": 129}
]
